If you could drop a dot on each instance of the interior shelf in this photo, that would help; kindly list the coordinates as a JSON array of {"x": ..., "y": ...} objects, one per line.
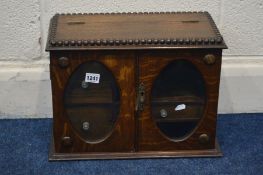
[
  {"x": 91, "y": 95},
  {"x": 192, "y": 111},
  {"x": 92, "y": 103},
  {"x": 87, "y": 100},
  {"x": 178, "y": 99},
  {"x": 173, "y": 120}
]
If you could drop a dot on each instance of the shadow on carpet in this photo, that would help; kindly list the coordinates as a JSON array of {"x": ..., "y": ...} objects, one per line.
[{"x": 24, "y": 147}]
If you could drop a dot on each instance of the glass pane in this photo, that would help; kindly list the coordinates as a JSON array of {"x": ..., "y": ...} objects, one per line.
[
  {"x": 93, "y": 105},
  {"x": 178, "y": 99}
]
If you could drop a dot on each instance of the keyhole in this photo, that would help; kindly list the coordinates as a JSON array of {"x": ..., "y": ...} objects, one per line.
[{"x": 142, "y": 97}]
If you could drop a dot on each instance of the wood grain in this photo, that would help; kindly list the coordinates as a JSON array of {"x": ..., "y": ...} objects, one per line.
[
  {"x": 168, "y": 30},
  {"x": 134, "y": 26},
  {"x": 123, "y": 69},
  {"x": 134, "y": 48},
  {"x": 150, "y": 136}
]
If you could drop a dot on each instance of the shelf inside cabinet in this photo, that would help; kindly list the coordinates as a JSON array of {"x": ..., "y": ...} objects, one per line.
[
  {"x": 190, "y": 112},
  {"x": 93, "y": 103},
  {"x": 172, "y": 120},
  {"x": 178, "y": 99},
  {"x": 90, "y": 95}
]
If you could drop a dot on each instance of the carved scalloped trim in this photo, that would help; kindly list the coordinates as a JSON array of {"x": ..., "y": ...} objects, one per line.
[{"x": 52, "y": 42}]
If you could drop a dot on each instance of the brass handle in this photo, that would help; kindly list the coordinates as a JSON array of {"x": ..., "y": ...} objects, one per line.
[
  {"x": 66, "y": 141},
  {"x": 209, "y": 59},
  {"x": 140, "y": 97},
  {"x": 163, "y": 113},
  {"x": 63, "y": 62},
  {"x": 204, "y": 139},
  {"x": 85, "y": 126},
  {"x": 84, "y": 84}
]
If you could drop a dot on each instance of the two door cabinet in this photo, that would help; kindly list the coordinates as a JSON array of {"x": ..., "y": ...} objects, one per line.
[{"x": 134, "y": 85}]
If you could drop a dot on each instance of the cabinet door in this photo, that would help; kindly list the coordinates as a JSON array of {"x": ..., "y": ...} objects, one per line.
[
  {"x": 94, "y": 102},
  {"x": 180, "y": 107}
]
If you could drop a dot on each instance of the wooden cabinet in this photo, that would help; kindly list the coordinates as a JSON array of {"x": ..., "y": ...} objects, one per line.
[{"x": 134, "y": 85}]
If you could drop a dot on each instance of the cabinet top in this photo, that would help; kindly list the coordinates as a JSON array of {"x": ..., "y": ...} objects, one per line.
[{"x": 165, "y": 30}]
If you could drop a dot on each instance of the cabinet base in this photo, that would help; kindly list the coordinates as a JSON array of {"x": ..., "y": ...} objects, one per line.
[{"x": 53, "y": 156}]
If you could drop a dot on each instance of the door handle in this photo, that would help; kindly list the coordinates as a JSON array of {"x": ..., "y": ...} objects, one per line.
[{"x": 140, "y": 97}]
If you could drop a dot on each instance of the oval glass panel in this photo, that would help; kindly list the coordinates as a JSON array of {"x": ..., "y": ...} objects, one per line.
[
  {"x": 92, "y": 101},
  {"x": 178, "y": 99}
]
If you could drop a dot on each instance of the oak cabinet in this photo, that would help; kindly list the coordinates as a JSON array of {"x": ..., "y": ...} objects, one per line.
[{"x": 134, "y": 85}]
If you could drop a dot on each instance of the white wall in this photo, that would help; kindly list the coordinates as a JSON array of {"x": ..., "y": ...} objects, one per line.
[{"x": 24, "y": 75}]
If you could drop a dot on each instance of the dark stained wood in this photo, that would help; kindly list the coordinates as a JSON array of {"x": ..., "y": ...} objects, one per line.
[
  {"x": 133, "y": 26},
  {"x": 122, "y": 67},
  {"x": 151, "y": 63},
  {"x": 179, "y": 99},
  {"x": 134, "y": 48},
  {"x": 216, "y": 152},
  {"x": 190, "y": 113},
  {"x": 92, "y": 97},
  {"x": 134, "y": 31}
]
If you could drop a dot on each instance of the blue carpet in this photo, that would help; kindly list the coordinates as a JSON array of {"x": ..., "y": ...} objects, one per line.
[{"x": 24, "y": 150}]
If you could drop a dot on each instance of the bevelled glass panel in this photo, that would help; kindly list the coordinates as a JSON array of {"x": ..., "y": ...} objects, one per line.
[
  {"x": 92, "y": 101},
  {"x": 178, "y": 99}
]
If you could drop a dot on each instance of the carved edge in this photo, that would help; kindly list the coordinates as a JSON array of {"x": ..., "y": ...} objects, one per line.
[
  {"x": 212, "y": 41},
  {"x": 219, "y": 38},
  {"x": 52, "y": 32}
]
